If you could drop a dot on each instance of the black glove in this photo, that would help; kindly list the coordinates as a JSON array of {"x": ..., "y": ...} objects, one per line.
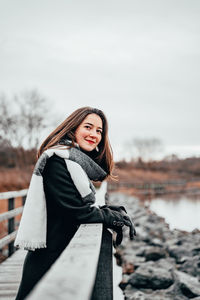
[
  {"x": 132, "y": 231},
  {"x": 115, "y": 207},
  {"x": 115, "y": 217}
]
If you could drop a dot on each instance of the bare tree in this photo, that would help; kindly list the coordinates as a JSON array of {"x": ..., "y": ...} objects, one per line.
[
  {"x": 145, "y": 148},
  {"x": 8, "y": 122},
  {"x": 23, "y": 118},
  {"x": 34, "y": 112}
]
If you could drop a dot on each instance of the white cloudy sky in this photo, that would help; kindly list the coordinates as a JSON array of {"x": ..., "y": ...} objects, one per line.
[{"x": 138, "y": 61}]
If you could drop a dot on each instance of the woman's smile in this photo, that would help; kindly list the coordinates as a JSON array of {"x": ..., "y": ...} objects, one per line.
[
  {"x": 89, "y": 133},
  {"x": 91, "y": 142}
]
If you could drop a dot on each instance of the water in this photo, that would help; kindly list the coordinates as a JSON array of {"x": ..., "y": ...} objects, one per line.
[{"x": 182, "y": 212}]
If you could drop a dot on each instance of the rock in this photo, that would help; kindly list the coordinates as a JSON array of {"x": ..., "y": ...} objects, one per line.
[
  {"x": 163, "y": 295},
  {"x": 137, "y": 261},
  {"x": 156, "y": 242},
  {"x": 166, "y": 263},
  {"x": 191, "y": 265},
  {"x": 142, "y": 234},
  {"x": 151, "y": 276},
  {"x": 189, "y": 285},
  {"x": 140, "y": 251},
  {"x": 179, "y": 251},
  {"x": 124, "y": 281},
  {"x": 132, "y": 293},
  {"x": 137, "y": 296},
  {"x": 154, "y": 253},
  {"x": 171, "y": 293},
  {"x": 138, "y": 221},
  {"x": 128, "y": 268},
  {"x": 160, "y": 264},
  {"x": 139, "y": 214},
  {"x": 184, "y": 259}
]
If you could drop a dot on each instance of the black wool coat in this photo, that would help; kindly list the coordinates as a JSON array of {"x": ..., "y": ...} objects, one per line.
[{"x": 65, "y": 212}]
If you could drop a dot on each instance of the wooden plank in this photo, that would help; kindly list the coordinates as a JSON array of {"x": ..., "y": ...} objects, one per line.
[
  {"x": 10, "y": 214},
  {"x": 9, "y": 286},
  {"x": 7, "y": 239},
  {"x": 72, "y": 275},
  {"x": 13, "y": 194},
  {"x": 103, "y": 288},
  {"x": 10, "y": 279}
]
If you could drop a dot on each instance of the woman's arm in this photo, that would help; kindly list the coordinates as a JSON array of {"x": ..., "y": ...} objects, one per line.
[{"x": 59, "y": 187}]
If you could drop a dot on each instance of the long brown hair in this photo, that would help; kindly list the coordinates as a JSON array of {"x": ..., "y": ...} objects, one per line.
[{"x": 67, "y": 130}]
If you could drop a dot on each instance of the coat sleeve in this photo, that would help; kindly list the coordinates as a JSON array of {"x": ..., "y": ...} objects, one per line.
[{"x": 59, "y": 187}]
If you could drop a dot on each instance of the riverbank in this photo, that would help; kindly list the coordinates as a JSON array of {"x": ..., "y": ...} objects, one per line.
[
  {"x": 154, "y": 178},
  {"x": 160, "y": 264}
]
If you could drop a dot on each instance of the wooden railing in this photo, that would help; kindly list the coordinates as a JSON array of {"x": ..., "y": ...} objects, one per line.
[
  {"x": 84, "y": 269},
  {"x": 10, "y": 216},
  {"x": 146, "y": 185}
]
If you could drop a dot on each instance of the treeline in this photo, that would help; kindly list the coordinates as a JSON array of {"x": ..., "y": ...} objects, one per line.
[
  {"x": 24, "y": 118},
  {"x": 16, "y": 157},
  {"x": 190, "y": 166}
]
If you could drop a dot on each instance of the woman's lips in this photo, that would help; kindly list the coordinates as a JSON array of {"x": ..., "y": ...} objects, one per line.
[{"x": 91, "y": 142}]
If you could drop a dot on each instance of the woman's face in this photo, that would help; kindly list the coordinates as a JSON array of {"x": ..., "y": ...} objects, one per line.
[{"x": 89, "y": 133}]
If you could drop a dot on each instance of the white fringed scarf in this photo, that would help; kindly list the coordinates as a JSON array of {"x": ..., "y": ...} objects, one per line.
[{"x": 33, "y": 225}]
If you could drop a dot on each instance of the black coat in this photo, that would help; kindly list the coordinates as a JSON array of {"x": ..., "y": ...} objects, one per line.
[{"x": 65, "y": 212}]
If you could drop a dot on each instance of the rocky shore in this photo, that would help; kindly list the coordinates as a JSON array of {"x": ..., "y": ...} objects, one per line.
[{"x": 159, "y": 264}]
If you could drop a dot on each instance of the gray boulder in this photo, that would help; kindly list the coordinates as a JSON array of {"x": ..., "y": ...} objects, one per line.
[
  {"x": 148, "y": 275},
  {"x": 179, "y": 251},
  {"x": 191, "y": 265},
  {"x": 189, "y": 285},
  {"x": 154, "y": 253}
]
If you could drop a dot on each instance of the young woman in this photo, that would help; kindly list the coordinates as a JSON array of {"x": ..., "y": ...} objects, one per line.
[{"x": 61, "y": 193}]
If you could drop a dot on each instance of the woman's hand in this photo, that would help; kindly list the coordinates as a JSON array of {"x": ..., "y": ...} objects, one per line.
[{"x": 115, "y": 218}]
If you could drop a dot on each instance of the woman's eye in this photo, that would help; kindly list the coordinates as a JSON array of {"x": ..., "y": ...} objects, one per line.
[
  {"x": 87, "y": 127},
  {"x": 99, "y": 131}
]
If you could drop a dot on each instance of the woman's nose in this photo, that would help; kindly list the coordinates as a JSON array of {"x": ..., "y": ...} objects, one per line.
[{"x": 93, "y": 133}]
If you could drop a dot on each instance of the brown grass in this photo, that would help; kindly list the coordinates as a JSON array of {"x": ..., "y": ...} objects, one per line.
[{"x": 15, "y": 179}]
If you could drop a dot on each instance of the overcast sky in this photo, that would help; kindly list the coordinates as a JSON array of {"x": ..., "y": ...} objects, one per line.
[{"x": 138, "y": 61}]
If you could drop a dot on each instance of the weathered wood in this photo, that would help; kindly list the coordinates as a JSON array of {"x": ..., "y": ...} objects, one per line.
[
  {"x": 8, "y": 286},
  {"x": 10, "y": 275},
  {"x": 72, "y": 275},
  {"x": 103, "y": 288},
  {"x": 13, "y": 194},
  {"x": 10, "y": 214},
  {"x": 23, "y": 200},
  {"x": 7, "y": 239},
  {"x": 11, "y": 225}
]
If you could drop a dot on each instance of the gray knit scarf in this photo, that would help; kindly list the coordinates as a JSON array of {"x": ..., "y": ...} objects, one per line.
[{"x": 33, "y": 225}]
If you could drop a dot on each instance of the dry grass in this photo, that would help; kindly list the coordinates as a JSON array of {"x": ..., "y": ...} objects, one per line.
[
  {"x": 15, "y": 179},
  {"x": 140, "y": 176}
]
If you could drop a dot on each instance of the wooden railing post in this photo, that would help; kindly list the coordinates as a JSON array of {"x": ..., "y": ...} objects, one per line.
[
  {"x": 11, "y": 226},
  {"x": 23, "y": 200},
  {"x": 103, "y": 288},
  {"x": 10, "y": 217}
]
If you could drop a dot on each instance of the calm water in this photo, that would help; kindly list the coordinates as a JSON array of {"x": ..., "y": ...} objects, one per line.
[{"x": 181, "y": 212}]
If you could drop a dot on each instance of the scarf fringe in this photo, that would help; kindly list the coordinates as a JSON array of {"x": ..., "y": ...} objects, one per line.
[{"x": 28, "y": 245}]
